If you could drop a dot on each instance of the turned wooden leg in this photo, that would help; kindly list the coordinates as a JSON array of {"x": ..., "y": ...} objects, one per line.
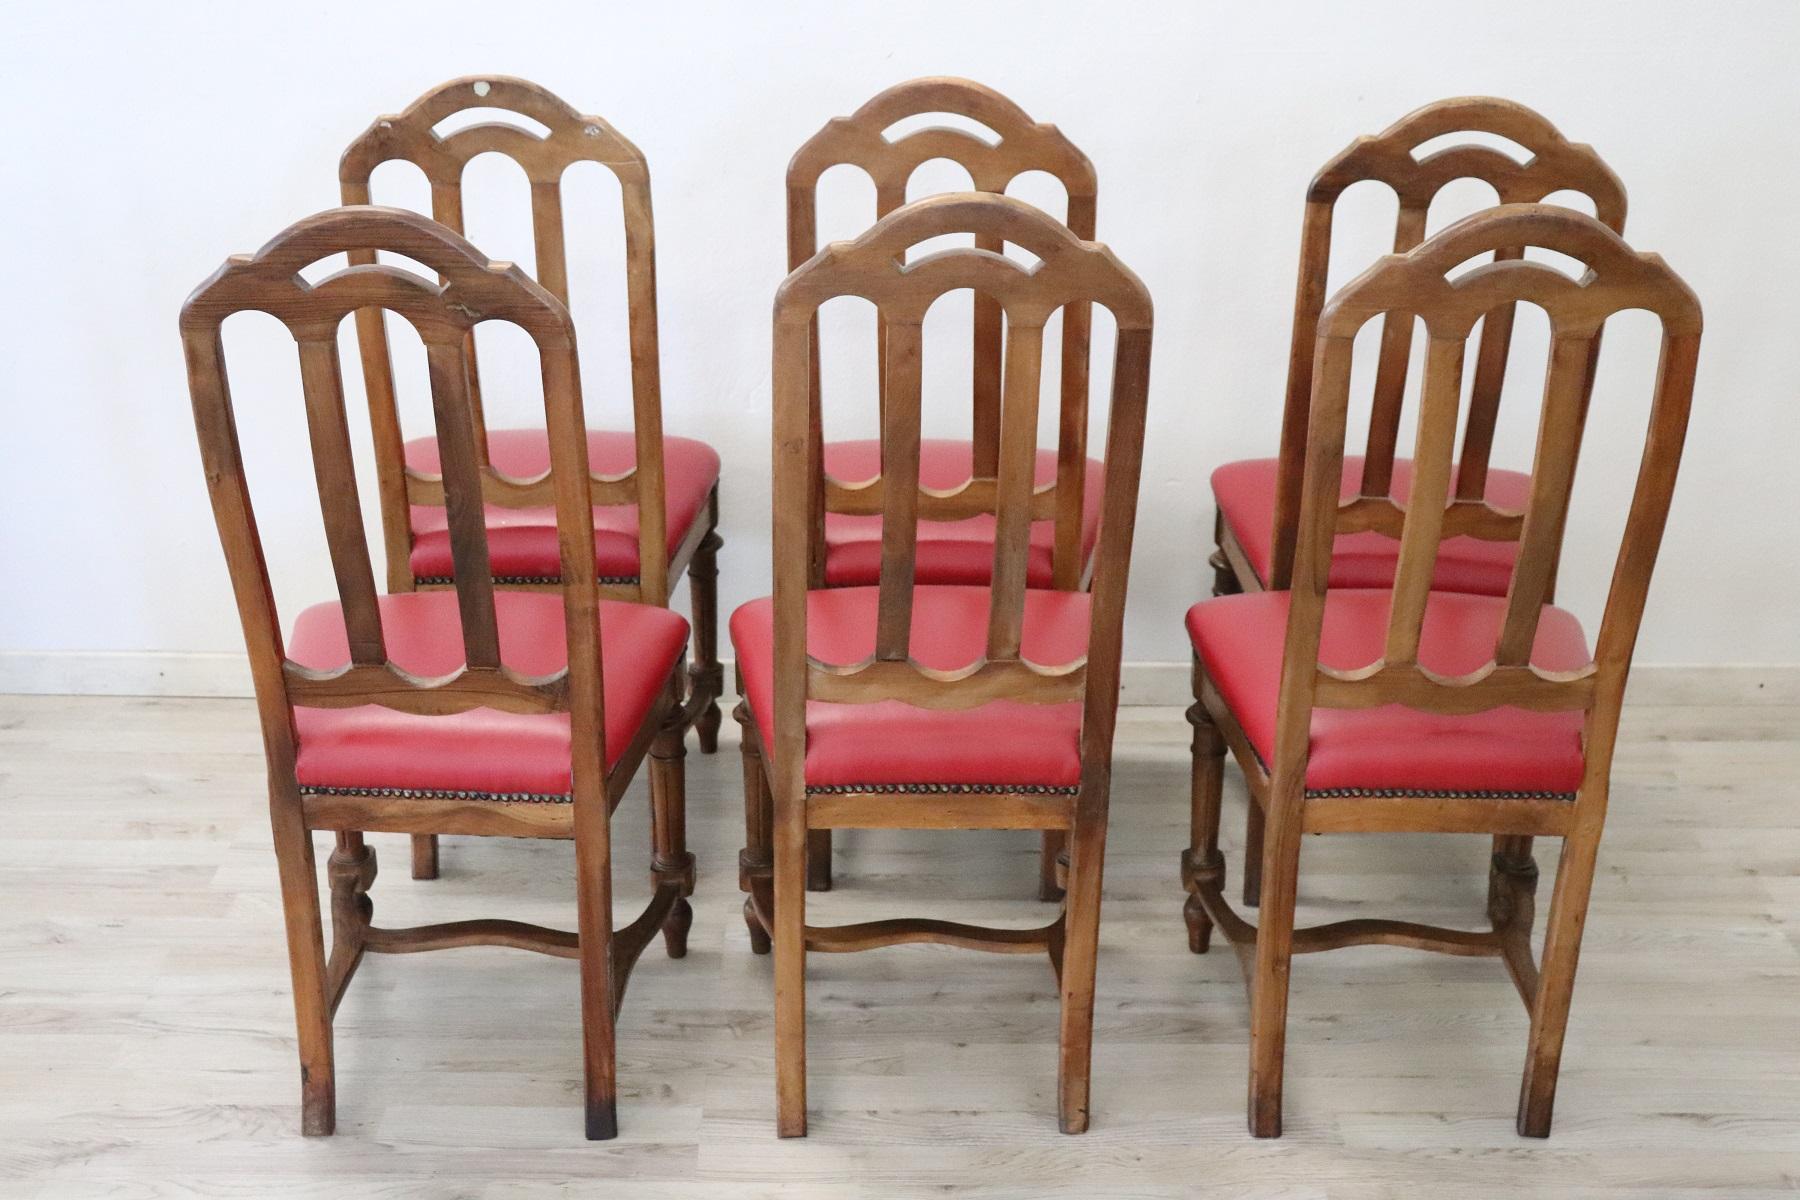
[
  {"x": 670, "y": 860},
  {"x": 1556, "y": 978},
  {"x": 1081, "y": 945},
  {"x": 306, "y": 963},
  {"x": 351, "y": 873},
  {"x": 1512, "y": 882},
  {"x": 706, "y": 676},
  {"x": 1202, "y": 863},
  {"x": 1049, "y": 854},
  {"x": 818, "y": 860},
  {"x": 599, "y": 996},
  {"x": 425, "y": 856},
  {"x": 756, "y": 862},
  {"x": 790, "y": 958},
  {"x": 1274, "y": 952}
]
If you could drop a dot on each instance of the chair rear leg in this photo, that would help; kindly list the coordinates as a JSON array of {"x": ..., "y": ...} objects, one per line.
[
  {"x": 599, "y": 996},
  {"x": 425, "y": 856},
  {"x": 1080, "y": 951},
  {"x": 790, "y": 964},
  {"x": 670, "y": 860},
  {"x": 706, "y": 676},
  {"x": 1274, "y": 953},
  {"x": 1556, "y": 979},
  {"x": 1202, "y": 862},
  {"x": 306, "y": 964}
]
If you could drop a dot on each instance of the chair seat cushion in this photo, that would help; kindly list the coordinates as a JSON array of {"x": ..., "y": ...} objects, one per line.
[
  {"x": 949, "y": 551},
  {"x": 522, "y": 541},
  {"x": 1245, "y": 493},
  {"x": 482, "y": 750},
  {"x": 887, "y": 744},
  {"x": 1240, "y": 639}
]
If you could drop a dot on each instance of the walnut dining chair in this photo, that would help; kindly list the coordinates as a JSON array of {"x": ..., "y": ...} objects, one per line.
[
  {"x": 956, "y": 551},
  {"x": 914, "y": 705},
  {"x": 1257, "y": 501},
  {"x": 1410, "y": 709},
  {"x": 473, "y": 710},
  {"x": 681, "y": 497}
]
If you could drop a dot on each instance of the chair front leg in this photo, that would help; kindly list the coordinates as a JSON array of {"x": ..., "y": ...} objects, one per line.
[
  {"x": 1556, "y": 977},
  {"x": 599, "y": 996},
  {"x": 1274, "y": 954},
  {"x": 306, "y": 963},
  {"x": 818, "y": 860},
  {"x": 1080, "y": 952},
  {"x": 424, "y": 856},
  {"x": 706, "y": 676},
  {"x": 670, "y": 860},
  {"x": 756, "y": 861},
  {"x": 1202, "y": 863},
  {"x": 1050, "y": 852}
]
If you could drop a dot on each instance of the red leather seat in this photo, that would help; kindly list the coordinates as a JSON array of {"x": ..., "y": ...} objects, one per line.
[
  {"x": 1239, "y": 640},
  {"x": 1245, "y": 493},
  {"x": 949, "y": 551},
  {"x": 889, "y": 744},
  {"x": 522, "y": 541},
  {"x": 482, "y": 750}
]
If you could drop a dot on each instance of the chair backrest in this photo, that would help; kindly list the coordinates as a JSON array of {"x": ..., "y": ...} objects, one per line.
[
  {"x": 871, "y": 267},
  {"x": 1556, "y": 165},
  {"x": 470, "y": 289},
  {"x": 410, "y": 136},
  {"x": 1023, "y": 145},
  {"x": 1420, "y": 283}
]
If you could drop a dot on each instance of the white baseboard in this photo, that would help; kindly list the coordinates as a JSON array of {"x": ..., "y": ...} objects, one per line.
[{"x": 173, "y": 673}]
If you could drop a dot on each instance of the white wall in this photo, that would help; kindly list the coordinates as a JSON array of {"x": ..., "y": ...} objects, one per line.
[{"x": 149, "y": 141}]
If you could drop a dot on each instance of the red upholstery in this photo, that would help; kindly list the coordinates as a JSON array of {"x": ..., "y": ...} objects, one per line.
[
  {"x": 1245, "y": 492},
  {"x": 522, "y": 541},
  {"x": 949, "y": 551},
  {"x": 889, "y": 742},
  {"x": 481, "y": 750},
  {"x": 1239, "y": 639}
]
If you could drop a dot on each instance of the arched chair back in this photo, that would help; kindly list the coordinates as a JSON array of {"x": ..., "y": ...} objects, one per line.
[
  {"x": 469, "y": 289},
  {"x": 1022, "y": 145},
  {"x": 411, "y": 136},
  {"x": 871, "y": 267},
  {"x": 1555, "y": 165},
  {"x": 1421, "y": 284}
]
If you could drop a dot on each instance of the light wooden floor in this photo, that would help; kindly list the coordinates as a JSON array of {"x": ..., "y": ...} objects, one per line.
[{"x": 146, "y": 1039}]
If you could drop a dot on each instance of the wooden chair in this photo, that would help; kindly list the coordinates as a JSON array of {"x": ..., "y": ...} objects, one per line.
[
  {"x": 915, "y": 705},
  {"x": 681, "y": 510},
  {"x": 474, "y": 710},
  {"x": 1409, "y": 709},
  {"x": 1061, "y": 552},
  {"x": 1257, "y": 501}
]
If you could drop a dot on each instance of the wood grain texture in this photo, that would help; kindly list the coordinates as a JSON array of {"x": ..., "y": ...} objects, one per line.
[{"x": 147, "y": 1039}]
